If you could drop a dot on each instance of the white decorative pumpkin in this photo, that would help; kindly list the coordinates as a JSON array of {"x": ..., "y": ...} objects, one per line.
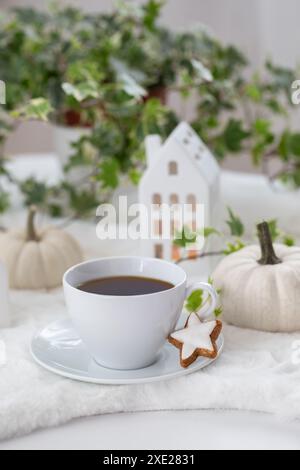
[
  {"x": 260, "y": 286},
  {"x": 38, "y": 260}
]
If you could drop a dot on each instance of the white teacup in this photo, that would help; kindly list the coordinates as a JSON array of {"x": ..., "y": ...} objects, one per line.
[{"x": 127, "y": 332}]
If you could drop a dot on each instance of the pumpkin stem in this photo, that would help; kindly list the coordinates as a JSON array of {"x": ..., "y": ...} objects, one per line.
[
  {"x": 31, "y": 234},
  {"x": 266, "y": 245}
]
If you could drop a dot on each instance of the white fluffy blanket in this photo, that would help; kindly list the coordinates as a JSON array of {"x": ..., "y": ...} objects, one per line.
[{"x": 255, "y": 372}]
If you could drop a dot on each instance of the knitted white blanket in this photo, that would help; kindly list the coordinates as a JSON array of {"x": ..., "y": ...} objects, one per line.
[{"x": 257, "y": 371}]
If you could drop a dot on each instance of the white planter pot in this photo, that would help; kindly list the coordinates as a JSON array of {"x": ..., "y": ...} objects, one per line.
[{"x": 64, "y": 137}]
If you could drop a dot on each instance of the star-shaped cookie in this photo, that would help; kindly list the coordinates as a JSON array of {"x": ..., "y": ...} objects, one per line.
[{"x": 196, "y": 339}]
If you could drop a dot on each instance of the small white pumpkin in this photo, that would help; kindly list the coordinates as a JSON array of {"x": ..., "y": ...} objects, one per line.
[
  {"x": 38, "y": 260},
  {"x": 260, "y": 286}
]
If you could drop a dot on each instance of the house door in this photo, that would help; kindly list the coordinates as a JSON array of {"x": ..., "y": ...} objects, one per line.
[{"x": 158, "y": 251}]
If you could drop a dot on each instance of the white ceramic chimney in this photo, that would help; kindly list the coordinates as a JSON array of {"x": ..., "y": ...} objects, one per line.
[{"x": 153, "y": 144}]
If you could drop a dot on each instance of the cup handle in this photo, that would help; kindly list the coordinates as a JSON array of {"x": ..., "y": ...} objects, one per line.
[{"x": 208, "y": 309}]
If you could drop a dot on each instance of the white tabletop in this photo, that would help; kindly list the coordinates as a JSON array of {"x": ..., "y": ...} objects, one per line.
[{"x": 180, "y": 430}]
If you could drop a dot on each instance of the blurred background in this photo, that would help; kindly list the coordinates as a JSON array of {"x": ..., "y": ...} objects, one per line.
[
  {"x": 87, "y": 82},
  {"x": 259, "y": 28}
]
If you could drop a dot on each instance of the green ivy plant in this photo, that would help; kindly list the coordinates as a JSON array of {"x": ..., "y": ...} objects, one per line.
[
  {"x": 111, "y": 73},
  {"x": 233, "y": 241},
  {"x": 262, "y": 129},
  {"x": 195, "y": 302},
  {"x": 107, "y": 153}
]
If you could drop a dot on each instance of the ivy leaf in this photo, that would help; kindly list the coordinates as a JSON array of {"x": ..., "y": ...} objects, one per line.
[
  {"x": 234, "y": 135},
  {"x": 34, "y": 192},
  {"x": 81, "y": 201},
  {"x": 263, "y": 132},
  {"x": 135, "y": 176},
  {"x": 275, "y": 232},
  {"x": 151, "y": 13},
  {"x": 276, "y": 106},
  {"x": 194, "y": 301},
  {"x": 218, "y": 312},
  {"x": 234, "y": 247},
  {"x": 295, "y": 144},
  {"x": 209, "y": 231},
  {"x": 257, "y": 152},
  {"x": 131, "y": 86},
  {"x": 288, "y": 240},
  {"x": 109, "y": 174},
  {"x": 282, "y": 77},
  {"x": 55, "y": 210},
  {"x": 184, "y": 238},
  {"x": 4, "y": 201},
  {"x": 253, "y": 91},
  {"x": 262, "y": 127},
  {"x": 82, "y": 91},
  {"x": 203, "y": 72},
  {"x": 284, "y": 146},
  {"x": 211, "y": 282},
  {"x": 38, "y": 108},
  {"x": 263, "y": 137},
  {"x": 235, "y": 224}
]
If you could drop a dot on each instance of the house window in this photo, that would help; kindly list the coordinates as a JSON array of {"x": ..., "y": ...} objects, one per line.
[
  {"x": 173, "y": 228},
  {"x": 173, "y": 168},
  {"x": 156, "y": 199},
  {"x": 175, "y": 253},
  {"x": 192, "y": 254},
  {"x": 192, "y": 201},
  {"x": 174, "y": 199},
  {"x": 158, "y": 251},
  {"x": 158, "y": 227}
]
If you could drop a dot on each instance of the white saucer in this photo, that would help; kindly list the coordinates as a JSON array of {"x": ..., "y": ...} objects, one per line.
[{"x": 58, "y": 349}]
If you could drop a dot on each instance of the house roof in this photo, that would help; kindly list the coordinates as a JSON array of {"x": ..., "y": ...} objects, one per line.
[{"x": 193, "y": 146}]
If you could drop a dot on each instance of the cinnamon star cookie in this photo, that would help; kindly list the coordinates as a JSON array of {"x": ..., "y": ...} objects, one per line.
[{"x": 196, "y": 339}]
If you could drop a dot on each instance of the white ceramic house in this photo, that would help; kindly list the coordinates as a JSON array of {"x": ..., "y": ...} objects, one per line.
[{"x": 182, "y": 170}]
